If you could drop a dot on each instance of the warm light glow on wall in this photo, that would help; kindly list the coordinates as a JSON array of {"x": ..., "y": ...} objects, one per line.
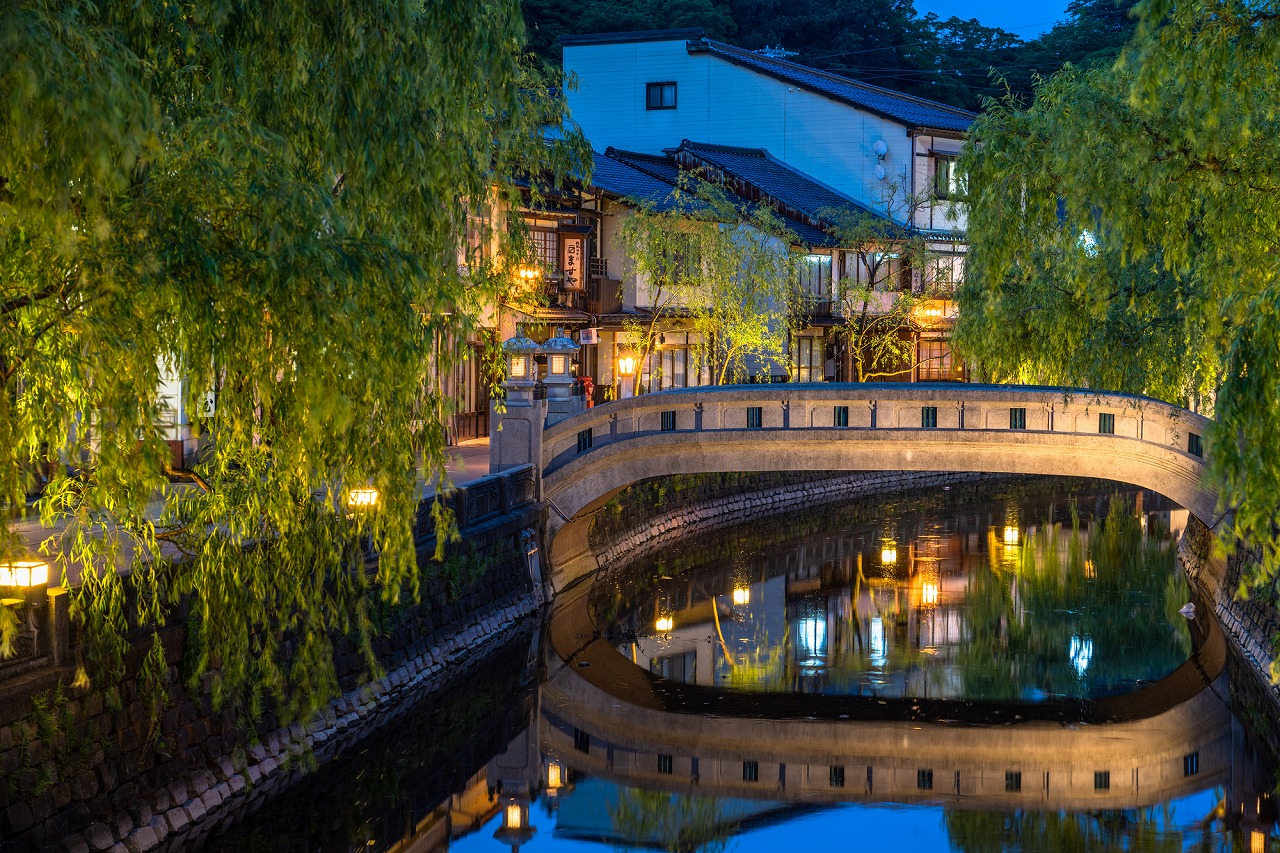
[
  {"x": 1011, "y": 536},
  {"x": 929, "y": 594},
  {"x": 741, "y": 595},
  {"x": 889, "y": 554},
  {"x": 664, "y": 624},
  {"x": 513, "y": 818},
  {"x": 24, "y": 574}
]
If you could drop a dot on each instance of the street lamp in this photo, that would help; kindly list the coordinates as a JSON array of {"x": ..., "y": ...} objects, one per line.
[
  {"x": 24, "y": 581},
  {"x": 362, "y": 499},
  {"x": 889, "y": 553},
  {"x": 741, "y": 595},
  {"x": 664, "y": 624},
  {"x": 515, "y": 829}
]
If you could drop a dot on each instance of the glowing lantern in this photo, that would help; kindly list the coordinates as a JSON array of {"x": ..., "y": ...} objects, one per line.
[
  {"x": 1011, "y": 536},
  {"x": 520, "y": 352},
  {"x": 664, "y": 624},
  {"x": 627, "y": 365},
  {"x": 24, "y": 580},
  {"x": 741, "y": 595},
  {"x": 889, "y": 554},
  {"x": 366, "y": 498},
  {"x": 929, "y": 594},
  {"x": 555, "y": 777}
]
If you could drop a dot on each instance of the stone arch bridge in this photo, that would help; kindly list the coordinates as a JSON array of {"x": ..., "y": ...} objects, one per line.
[{"x": 586, "y": 459}]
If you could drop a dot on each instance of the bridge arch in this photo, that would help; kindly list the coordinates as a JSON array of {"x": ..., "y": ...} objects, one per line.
[{"x": 588, "y": 458}]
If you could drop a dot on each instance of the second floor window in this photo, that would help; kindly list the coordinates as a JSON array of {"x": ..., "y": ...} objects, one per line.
[
  {"x": 948, "y": 183},
  {"x": 815, "y": 277},
  {"x": 546, "y": 246},
  {"x": 660, "y": 96}
]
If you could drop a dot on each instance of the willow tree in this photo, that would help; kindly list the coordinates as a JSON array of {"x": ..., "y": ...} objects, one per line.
[
  {"x": 719, "y": 267},
  {"x": 879, "y": 312},
  {"x": 269, "y": 200},
  {"x": 1125, "y": 233}
]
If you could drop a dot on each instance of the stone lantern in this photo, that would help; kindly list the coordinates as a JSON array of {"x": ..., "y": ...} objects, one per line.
[
  {"x": 516, "y": 423},
  {"x": 522, "y": 368},
  {"x": 561, "y": 403}
]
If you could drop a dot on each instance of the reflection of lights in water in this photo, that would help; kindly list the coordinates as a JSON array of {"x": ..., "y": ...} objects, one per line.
[
  {"x": 514, "y": 816},
  {"x": 878, "y": 647},
  {"x": 889, "y": 554},
  {"x": 1011, "y": 536},
  {"x": 664, "y": 624},
  {"x": 1090, "y": 569},
  {"x": 1080, "y": 654},
  {"x": 929, "y": 594},
  {"x": 741, "y": 595},
  {"x": 811, "y": 641},
  {"x": 1257, "y": 842},
  {"x": 555, "y": 776}
]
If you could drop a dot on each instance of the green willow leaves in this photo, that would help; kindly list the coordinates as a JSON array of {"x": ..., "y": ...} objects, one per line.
[
  {"x": 1125, "y": 231},
  {"x": 271, "y": 203}
]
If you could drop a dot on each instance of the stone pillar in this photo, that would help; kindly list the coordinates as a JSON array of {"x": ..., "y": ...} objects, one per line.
[{"x": 516, "y": 424}]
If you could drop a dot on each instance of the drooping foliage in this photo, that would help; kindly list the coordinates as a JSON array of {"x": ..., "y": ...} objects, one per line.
[
  {"x": 271, "y": 202},
  {"x": 1124, "y": 235},
  {"x": 722, "y": 268}
]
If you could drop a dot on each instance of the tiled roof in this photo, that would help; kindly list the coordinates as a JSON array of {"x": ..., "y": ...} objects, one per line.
[
  {"x": 911, "y": 111},
  {"x": 780, "y": 181},
  {"x": 652, "y": 178},
  {"x": 616, "y": 177}
]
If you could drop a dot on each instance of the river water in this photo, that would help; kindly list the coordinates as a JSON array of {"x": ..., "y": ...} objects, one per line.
[{"x": 984, "y": 667}]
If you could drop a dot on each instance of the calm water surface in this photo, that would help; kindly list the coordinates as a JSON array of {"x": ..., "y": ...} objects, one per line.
[{"x": 990, "y": 606}]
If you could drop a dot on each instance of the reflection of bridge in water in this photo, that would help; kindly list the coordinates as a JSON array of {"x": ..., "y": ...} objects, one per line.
[{"x": 602, "y": 715}]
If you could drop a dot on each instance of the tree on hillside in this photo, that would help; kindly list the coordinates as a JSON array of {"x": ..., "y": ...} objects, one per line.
[
  {"x": 1133, "y": 210},
  {"x": 718, "y": 267},
  {"x": 270, "y": 201}
]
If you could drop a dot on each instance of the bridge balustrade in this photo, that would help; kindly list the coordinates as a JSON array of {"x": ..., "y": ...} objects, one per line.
[{"x": 796, "y": 407}]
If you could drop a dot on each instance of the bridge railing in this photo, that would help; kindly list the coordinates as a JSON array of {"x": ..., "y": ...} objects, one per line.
[{"x": 879, "y": 406}]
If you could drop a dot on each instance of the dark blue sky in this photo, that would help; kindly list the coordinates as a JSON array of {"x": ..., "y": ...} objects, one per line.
[{"x": 1025, "y": 19}]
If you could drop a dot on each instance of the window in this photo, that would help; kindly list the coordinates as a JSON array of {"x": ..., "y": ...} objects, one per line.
[
  {"x": 581, "y": 741},
  {"x": 842, "y": 416},
  {"x": 751, "y": 771},
  {"x": 669, "y": 421},
  {"x": 681, "y": 667},
  {"x": 546, "y": 248},
  {"x": 660, "y": 96},
  {"x": 1191, "y": 764},
  {"x": 815, "y": 278},
  {"x": 664, "y": 764},
  {"x": 1194, "y": 445},
  {"x": 837, "y": 777},
  {"x": 1106, "y": 423},
  {"x": 924, "y": 780},
  {"x": 755, "y": 417},
  {"x": 948, "y": 183},
  {"x": 807, "y": 356},
  {"x": 929, "y": 417},
  {"x": 936, "y": 361},
  {"x": 1017, "y": 419},
  {"x": 943, "y": 273},
  {"x": 584, "y": 441},
  {"x": 1013, "y": 781},
  {"x": 1102, "y": 780}
]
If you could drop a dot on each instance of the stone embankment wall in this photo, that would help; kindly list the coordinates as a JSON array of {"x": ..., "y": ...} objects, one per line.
[
  {"x": 622, "y": 530},
  {"x": 85, "y": 770},
  {"x": 1250, "y": 627}
]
